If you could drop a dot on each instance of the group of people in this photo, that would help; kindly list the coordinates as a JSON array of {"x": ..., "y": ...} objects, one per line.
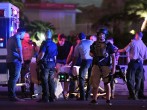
[{"x": 96, "y": 56}]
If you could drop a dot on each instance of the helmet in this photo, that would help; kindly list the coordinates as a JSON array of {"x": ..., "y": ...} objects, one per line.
[{"x": 102, "y": 30}]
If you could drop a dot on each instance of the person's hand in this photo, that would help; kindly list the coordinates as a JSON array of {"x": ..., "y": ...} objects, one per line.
[
  {"x": 22, "y": 62},
  {"x": 113, "y": 71}
]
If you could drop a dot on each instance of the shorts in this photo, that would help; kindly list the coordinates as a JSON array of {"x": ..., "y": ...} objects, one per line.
[{"x": 98, "y": 73}]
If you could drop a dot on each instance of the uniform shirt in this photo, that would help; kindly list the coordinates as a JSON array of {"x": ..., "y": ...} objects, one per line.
[
  {"x": 13, "y": 44},
  {"x": 50, "y": 49},
  {"x": 136, "y": 49},
  {"x": 83, "y": 49}
]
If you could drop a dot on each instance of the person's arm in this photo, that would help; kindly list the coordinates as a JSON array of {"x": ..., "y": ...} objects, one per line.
[
  {"x": 74, "y": 62},
  {"x": 121, "y": 50},
  {"x": 75, "y": 57},
  {"x": 126, "y": 49},
  {"x": 19, "y": 50},
  {"x": 91, "y": 54},
  {"x": 145, "y": 55},
  {"x": 69, "y": 57},
  {"x": 128, "y": 58},
  {"x": 40, "y": 56},
  {"x": 113, "y": 63},
  {"x": 41, "y": 52}
]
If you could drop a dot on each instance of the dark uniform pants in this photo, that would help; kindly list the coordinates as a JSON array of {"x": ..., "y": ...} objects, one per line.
[
  {"x": 47, "y": 81},
  {"x": 134, "y": 76}
]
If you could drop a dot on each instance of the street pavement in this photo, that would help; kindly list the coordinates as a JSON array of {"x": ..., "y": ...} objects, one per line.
[{"x": 120, "y": 102}]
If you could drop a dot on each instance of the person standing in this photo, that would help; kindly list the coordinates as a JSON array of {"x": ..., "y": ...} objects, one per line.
[
  {"x": 82, "y": 50},
  {"x": 135, "y": 50},
  {"x": 102, "y": 53},
  {"x": 64, "y": 48},
  {"x": 29, "y": 50},
  {"x": 14, "y": 61},
  {"x": 46, "y": 60}
]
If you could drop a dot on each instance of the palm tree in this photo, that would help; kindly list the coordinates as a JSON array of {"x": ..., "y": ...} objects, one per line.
[
  {"x": 33, "y": 27},
  {"x": 129, "y": 18},
  {"x": 37, "y": 29}
]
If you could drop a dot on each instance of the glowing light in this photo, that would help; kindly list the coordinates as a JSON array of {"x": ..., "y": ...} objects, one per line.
[
  {"x": 132, "y": 31},
  {"x": 144, "y": 15},
  {"x": 144, "y": 24},
  {"x": 11, "y": 28},
  {"x": 41, "y": 38},
  {"x": 1, "y": 39}
]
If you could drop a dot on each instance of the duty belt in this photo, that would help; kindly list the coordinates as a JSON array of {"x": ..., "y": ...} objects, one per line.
[
  {"x": 135, "y": 60},
  {"x": 49, "y": 59}
]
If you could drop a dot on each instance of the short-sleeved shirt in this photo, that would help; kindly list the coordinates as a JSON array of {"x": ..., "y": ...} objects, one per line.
[
  {"x": 136, "y": 49},
  {"x": 63, "y": 51},
  {"x": 12, "y": 49},
  {"x": 83, "y": 49},
  {"x": 50, "y": 49}
]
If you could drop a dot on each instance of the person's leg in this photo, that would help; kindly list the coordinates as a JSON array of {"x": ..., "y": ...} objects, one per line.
[
  {"x": 31, "y": 89},
  {"x": 141, "y": 90},
  {"x": 66, "y": 90},
  {"x": 72, "y": 87},
  {"x": 130, "y": 76},
  {"x": 51, "y": 86},
  {"x": 58, "y": 85},
  {"x": 94, "y": 82},
  {"x": 44, "y": 84},
  {"x": 106, "y": 70},
  {"x": 108, "y": 90},
  {"x": 24, "y": 71},
  {"x": 88, "y": 91},
  {"x": 14, "y": 74},
  {"x": 138, "y": 78},
  {"x": 112, "y": 86},
  {"x": 82, "y": 74}
]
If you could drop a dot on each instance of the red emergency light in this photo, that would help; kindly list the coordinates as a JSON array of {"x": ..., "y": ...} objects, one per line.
[{"x": 2, "y": 12}]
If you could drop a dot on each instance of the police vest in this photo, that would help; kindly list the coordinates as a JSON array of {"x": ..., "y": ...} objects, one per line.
[{"x": 101, "y": 52}]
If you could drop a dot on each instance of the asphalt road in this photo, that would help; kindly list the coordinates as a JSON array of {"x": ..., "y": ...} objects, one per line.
[{"x": 120, "y": 102}]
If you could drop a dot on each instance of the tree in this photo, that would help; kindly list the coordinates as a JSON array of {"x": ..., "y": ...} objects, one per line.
[
  {"x": 33, "y": 27},
  {"x": 37, "y": 29},
  {"x": 125, "y": 20}
]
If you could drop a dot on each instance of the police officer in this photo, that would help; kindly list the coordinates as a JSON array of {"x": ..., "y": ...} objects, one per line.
[
  {"x": 136, "y": 50},
  {"x": 101, "y": 52},
  {"x": 46, "y": 60}
]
